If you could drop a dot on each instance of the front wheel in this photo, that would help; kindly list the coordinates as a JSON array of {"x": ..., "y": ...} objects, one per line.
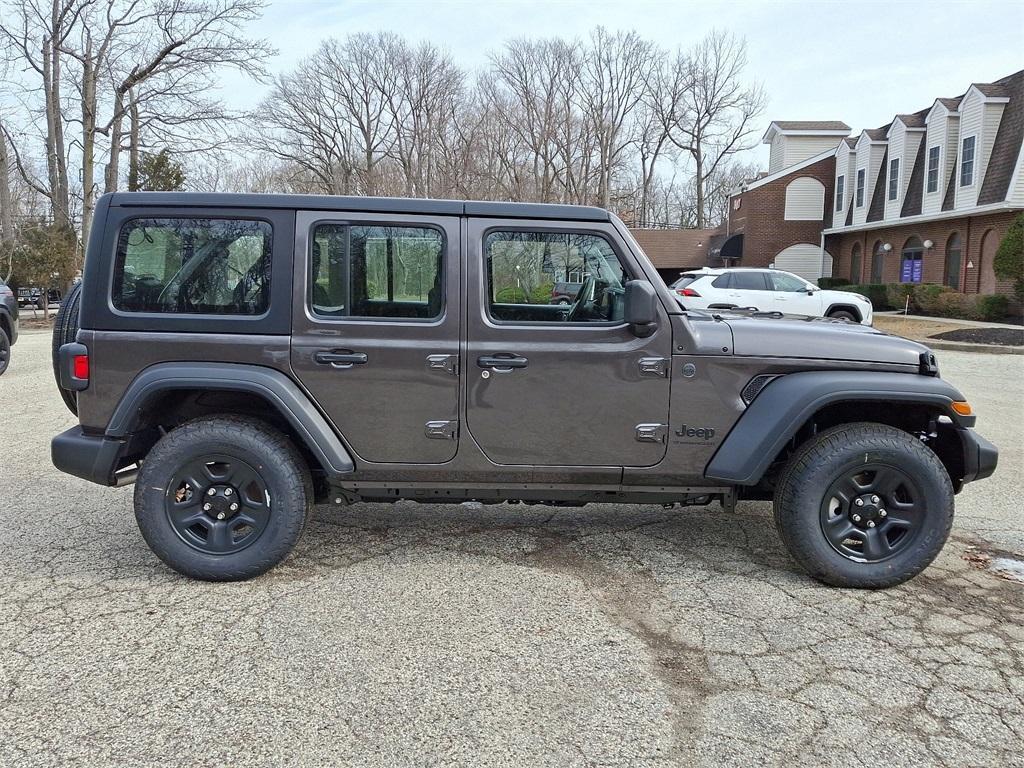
[
  {"x": 222, "y": 498},
  {"x": 842, "y": 314},
  {"x": 864, "y": 505}
]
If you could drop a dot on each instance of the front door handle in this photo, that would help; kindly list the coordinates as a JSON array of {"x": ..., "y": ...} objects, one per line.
[
  {"x": 343, "y": 358},
  {"x": 502, "y": 361}
]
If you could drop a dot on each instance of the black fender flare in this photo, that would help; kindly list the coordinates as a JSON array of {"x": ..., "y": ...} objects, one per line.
[
  {"x": 839, "y": 306},
  {"x": 270, "y": 384},
  {"x": 786, "y": 403}
]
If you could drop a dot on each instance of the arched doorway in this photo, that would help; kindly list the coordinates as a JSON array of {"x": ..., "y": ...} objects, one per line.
[
  {"x": 877, "y": 262},
  {"x": 954, "y": 254},
  {"x": 912, "y": 260},
  {"x": 987, "y": 255},
  {"x": 855, "y": 264}
]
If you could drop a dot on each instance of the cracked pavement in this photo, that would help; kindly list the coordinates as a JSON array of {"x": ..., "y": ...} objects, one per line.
[{"x": 408, "y": 634}]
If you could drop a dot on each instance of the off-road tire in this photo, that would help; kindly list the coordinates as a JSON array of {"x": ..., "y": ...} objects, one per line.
[
  {"x": 265, "y": 449},
  {"x": 801, "y": 492},
  {"x": 5, "y": 350},
  {"x": 65, "y": 330},
  {"x": 843, "y": 314}
]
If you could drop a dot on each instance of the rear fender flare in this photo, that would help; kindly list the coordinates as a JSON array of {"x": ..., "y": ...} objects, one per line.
[{"x": 273, "y": 386}]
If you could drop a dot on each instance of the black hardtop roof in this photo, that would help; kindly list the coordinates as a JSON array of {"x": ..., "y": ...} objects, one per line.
[{"x": 360, "y": 204}]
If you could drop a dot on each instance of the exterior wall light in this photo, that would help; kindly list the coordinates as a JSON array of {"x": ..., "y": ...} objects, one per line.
[
  {"x": 928, "y": 244},
  {"x": 887, "y": 247}
]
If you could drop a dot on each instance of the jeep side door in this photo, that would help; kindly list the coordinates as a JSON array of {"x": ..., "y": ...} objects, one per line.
[
  {"x": 552, "y": 385},
  {"x": 375, "y": 333}
]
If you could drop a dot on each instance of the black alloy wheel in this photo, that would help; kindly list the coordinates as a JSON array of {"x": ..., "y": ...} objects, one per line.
[
  {"x": 218, "y": 504},
  {"x": 872, "y": 512}
]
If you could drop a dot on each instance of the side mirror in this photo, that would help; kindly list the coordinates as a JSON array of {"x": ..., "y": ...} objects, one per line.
[
  {"x": 810, "y": 291},
  {"x": 641, "y": 307}
]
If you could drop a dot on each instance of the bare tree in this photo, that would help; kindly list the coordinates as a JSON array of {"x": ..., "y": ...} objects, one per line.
[{"x": 715, "y": 116}]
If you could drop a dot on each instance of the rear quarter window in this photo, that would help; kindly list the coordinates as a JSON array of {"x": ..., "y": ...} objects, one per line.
[{"x": 199, "y": 266}]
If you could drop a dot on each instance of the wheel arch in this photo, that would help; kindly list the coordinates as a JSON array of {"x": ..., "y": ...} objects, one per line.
[
  {"x": 793, "y": 407},
  {"x": 167, "y": 393},
  {"x": 840, "y": 307}
]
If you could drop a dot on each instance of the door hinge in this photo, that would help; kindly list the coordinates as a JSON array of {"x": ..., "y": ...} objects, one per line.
[
  {"x": 653, "y": 366},
  {"x": 651, "y": 433},
  {"x": 449, "y": 363},
  {"x": 441, "y": 430}
]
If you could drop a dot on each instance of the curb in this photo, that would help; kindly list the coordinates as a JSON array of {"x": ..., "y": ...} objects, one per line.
[{"x": 964, "y": 346}]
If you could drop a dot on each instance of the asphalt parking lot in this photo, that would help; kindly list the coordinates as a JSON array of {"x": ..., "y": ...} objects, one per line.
[{"x": 410, "y": 635}]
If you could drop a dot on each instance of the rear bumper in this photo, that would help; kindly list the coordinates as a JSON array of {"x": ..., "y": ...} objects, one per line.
[
  {"x": 90, "y": 457},
  {"x": 980, "y": 456}
]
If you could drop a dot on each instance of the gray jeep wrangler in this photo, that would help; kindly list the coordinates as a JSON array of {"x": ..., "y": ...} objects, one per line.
[{"x": 240, "y": 357}]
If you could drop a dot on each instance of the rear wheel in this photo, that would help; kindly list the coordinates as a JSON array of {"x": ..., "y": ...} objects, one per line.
[
  {"x": 65, "y": 330},
  {"x": 222, "y": 498},
  {"x": 5, "y": 350},
  {"x": 864, "y": 505}
]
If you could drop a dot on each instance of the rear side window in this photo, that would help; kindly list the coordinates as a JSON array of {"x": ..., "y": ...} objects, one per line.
[
  {"x": 685, "y": 280},
  {"x": 748, "y": 281},
  {"x": 193, "y": 266},
  {"x": 722, "y": 281},
  {"x": 391, "y": 272}
]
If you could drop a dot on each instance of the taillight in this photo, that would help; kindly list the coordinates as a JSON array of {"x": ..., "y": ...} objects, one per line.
[
  {"x": 687, "y": 292},
  {"x": 80, "y": 367}
]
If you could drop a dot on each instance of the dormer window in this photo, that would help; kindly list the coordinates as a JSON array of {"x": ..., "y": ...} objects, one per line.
[
  {"x": 860, "y": 188},
  {"x": 933, "y": 168},
  {"x": 894, "y": 178},
  {"x": 967, "y": 161},
  {"x": 840, "y": 192}
]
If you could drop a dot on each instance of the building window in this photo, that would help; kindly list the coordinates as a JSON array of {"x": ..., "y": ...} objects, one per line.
[
  {"x": 912, "y": 261},
  {"x": 855, "y": 264},
  {"x": 840, "y": 192},
  {"x": 967, "y": 162},
  {"x": 954, "y": 251},
  {"x": 894, "y": 178},
  {"x": 860, "y": 188},
  {"x": 933, "y": 168}
]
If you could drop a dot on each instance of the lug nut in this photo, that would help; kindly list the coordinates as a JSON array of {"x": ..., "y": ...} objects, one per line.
[
  {"x": 228, "y": 492},
  {"x": 212, "y": 492},
  {"x": 234, "y": 507},
  {"x": 220, "y": 515},
  {"x": 207, "y": 507},
  {"x": 856, "y": 518},
  {"x": 859, "y": 502},
  {"x": 874, "y": 499},
  {"x": 871, "y": 523},
  {"x": 882, "y": 513}
]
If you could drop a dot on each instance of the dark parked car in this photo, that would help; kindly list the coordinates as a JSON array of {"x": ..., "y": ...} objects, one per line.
[
  {"x": 8, "y": 324},
  {"x": 564, "y": 292},
  {"x": 239, "y": 357}
]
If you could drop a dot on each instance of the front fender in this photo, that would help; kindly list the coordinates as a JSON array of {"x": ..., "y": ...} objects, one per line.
[{"x": 787, "y": 403}]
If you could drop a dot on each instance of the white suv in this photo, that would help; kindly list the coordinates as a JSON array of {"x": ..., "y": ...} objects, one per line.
[{"x": 768, "y": 290}]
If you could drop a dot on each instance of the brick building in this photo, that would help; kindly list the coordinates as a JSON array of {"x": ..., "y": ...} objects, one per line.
[
  {"x": 927, "y": 197},
  {"x": 676, "y": 250}
]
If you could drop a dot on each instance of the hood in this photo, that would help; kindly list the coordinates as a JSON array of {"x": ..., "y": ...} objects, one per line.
[{"x": 776, "y": 335}]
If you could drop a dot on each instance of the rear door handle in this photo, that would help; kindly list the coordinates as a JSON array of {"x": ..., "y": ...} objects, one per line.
[
  {"x": 341, "y": 358},
  {"x": 502, "y": 360}
]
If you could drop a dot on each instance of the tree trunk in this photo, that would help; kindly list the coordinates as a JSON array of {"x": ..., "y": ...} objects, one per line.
[
  {"x": 6, "y": 213},
  {"x": 133, "y": 148},
  {"x": 88, "y": 139},
  {"x": 56, "y": 154},
  {"x": 698, "y": 156},
  {"x": 113, "y": 169}
]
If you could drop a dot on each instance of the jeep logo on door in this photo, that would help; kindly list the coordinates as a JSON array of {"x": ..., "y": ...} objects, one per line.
[{"x": 701, "y": 433}]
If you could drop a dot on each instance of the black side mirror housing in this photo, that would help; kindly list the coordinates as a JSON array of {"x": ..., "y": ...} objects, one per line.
[{"x": 641, "y": 307}]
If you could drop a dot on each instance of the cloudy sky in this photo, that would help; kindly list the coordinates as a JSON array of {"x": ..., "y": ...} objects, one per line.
[{"x": 857, "y": 62}]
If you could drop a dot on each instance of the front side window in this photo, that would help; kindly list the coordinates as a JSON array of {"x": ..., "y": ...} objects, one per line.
[
  {"x": 783, "y": 282},
  {"x": 389, "y": 272},
  {"x": 967, "y": 162},
  {"x": 193, "y": 266},
  {"x": 840, "y": 192},
  {"x": 860, "y": 188},
  {"x": 528, "y": 274},
  {"x": 894, "y": 178},
  {"x": 933, "y": 169}
]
